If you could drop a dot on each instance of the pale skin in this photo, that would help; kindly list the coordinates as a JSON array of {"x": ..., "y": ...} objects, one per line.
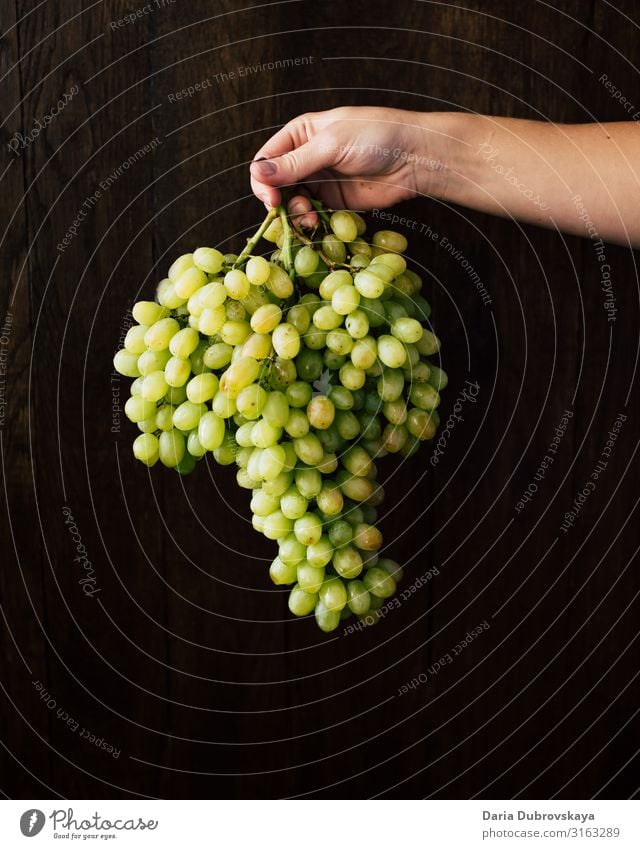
[{"x": 579, "y": 178}]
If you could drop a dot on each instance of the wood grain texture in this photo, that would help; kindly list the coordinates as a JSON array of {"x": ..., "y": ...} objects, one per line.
[{"x": 186, "y": 661}]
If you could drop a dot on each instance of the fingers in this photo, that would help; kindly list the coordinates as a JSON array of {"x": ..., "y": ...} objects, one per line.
[{"x": 301, "y": 210}]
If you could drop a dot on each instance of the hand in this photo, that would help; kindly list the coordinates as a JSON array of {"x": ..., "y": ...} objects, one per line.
[{"x": 354, "y": 157}]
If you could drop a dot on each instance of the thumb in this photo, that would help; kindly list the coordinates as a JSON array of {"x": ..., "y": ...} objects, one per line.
[{"x": 295, "y": 166}]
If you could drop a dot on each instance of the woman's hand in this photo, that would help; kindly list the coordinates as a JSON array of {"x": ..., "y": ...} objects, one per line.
[{"x": 353, "y": 157}]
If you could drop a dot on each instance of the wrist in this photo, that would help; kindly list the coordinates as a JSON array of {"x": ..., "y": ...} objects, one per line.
[{"x": 446, "y": 146}]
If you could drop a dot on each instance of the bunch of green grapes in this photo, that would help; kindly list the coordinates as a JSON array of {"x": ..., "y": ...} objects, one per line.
[{"x": 303, "y": 369}]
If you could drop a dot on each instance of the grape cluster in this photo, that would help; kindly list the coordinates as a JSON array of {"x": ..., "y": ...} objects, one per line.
[{"x": 303, "y": 368}]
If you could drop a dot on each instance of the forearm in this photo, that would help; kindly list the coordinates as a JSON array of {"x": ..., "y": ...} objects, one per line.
[{"x": 580, "y": 178}]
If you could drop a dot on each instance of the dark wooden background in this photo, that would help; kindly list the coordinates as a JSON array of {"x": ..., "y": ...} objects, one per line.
[{"x": 187, "y": 661}]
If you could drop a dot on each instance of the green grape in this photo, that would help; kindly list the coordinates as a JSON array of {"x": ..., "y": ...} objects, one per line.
[
  {"x": 395, "y": 411},
  {"x": 189, "y": 282},
  {"x": 341, "y": 398},
  {"x": 391, "y": 351},
  {"x": 134, "y": 340},
  {"x": 154, "y": 386},
  {"x": 187, "y": 416},
  {"x": 171, "y": 447},
  {"x": 407, "y": 329},
  {"x": 211, "y": 431},
  {"x": 257, "y": 270},
  {"x": 327, "y": 620},
  {"x": 428, "y": 344},
  {"x": 226, "y": 453},
  {"x": 308, "y": 482},
  {"x": 420, "y": 424},
  {"x": 330, "y": 499},
  {"x": 263, "y": 504},
  {"x": 279, "y": 484},
  {"x": 293, "y": 504},
  {"x": 357, "y": 461},
  {"x": 186, "y": 465},
  {"x": 309, "y": 365},
  {"x": 306, "y": 262},
  {"x": 282, "y": 573},
  {"x": 344, "y": 226},
  {"x": 194, "y": 446},
  {"x": 272, "y": 462},
  {"x": 367, "y": 537},
  {"x": 334, "y": 281},
  {"x": 223, "y": 406},
  {"x": 339, "y": 341},
  {"x": 298, "y": 394},
  {"x": 164, "y": 417},
  {"x": 202, "y": 387},
  {"x": 390, "y": 241},
  {"x": 320, "y": 553},
  {"x": 438, "y": 378},
  {"x": 357, "y": 324},
  {"x": 146, "y": 448},
  {"x": 333, "y": 593},
  {"x": 297, "y": 424},
  {"x": 251, "y": 401},
  {"x": 326, "y": 318},
  {"x": 394, "y": 437},
  {"x": 275, "y": 410},
  {"x": 208, "y": 259},
  {"x": 177, "y": 372},
  {"x": 309, "y": 449},
  {"x": 315, "y": 338},
  {"x": 352, "y": 377},
  {"x": 137, "y": 409},
  {"x": 358, "y": 598},
  {"x": 277, "y": 526},
  {"x": 291, "y": 551},
  {"x": 320, "y": 412},
  {"x": 424, "y": 396},
  {"x": 308, "y": 529},
  {"x": 301, "y": 603},
  {"x": 239, "y": 374},
  {"x": 237, "y": 284},
  {"x": 300, "y": 317},
  {"x": 181, "y": 264},
  {"x": 345, "y": 300},
  {"x": 369, "y": 285},
  {"x": 152, "y": 361},
  {"x": 379, "y": 582},
  {"x": 310, "y": 578},
  {"x": 347, "y": 562},
  {"x": 340, "y": 533},
  {"x": 148, "y": 312}
]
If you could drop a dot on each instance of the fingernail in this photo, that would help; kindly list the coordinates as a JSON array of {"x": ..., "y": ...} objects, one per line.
[
  {"x": 266, "y": 168},
  {"x": 297, "y": 208},
  {"x": 307, "y": 221}
]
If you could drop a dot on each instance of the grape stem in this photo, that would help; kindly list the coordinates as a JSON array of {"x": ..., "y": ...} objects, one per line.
[
  {"x": 287, "y": 258},
  {"x": 253, "y": 241},
  {"x": 310, "y": 243},
  {"x": 322, "y": 212}
]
